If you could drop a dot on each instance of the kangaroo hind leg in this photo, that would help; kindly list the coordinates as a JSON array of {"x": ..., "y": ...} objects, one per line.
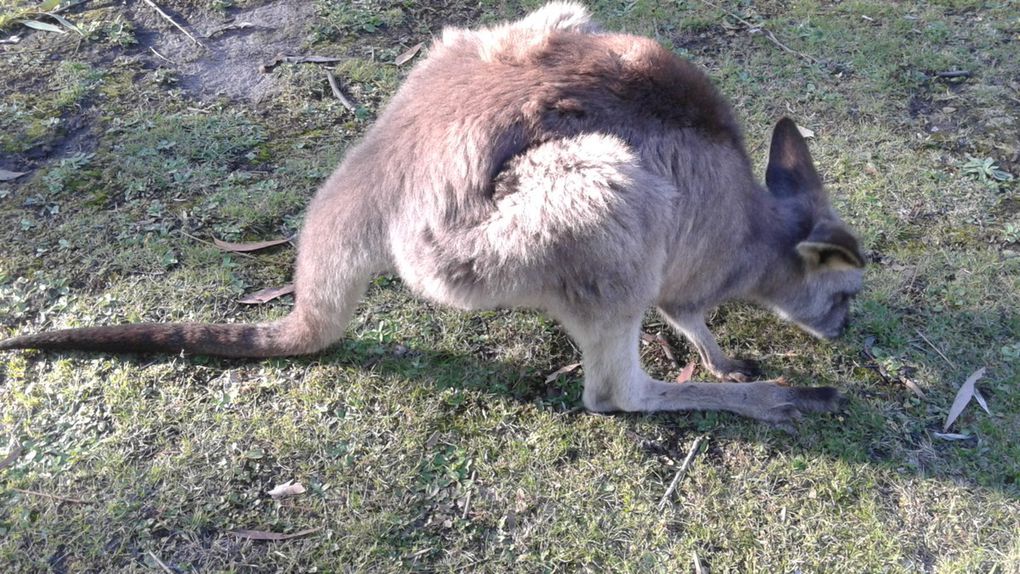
[{"x": 614, "y": 381}]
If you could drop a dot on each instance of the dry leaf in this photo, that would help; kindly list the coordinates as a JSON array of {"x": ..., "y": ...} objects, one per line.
[
  {"x": 67, "y": 23},
  {"x": 805, "y": 132},
  {"x": 951, "y": 436},
  {"x": 686, "y": 373},
  {"x": 11, "y": 457},
  {"x": 46, "y": 27},
  {"x": 267, "y": 295},
  {"x": 246, "y": 247},
  {"x": 562, "y": 371},
  {"x": 289, "y": 488},
  {"x": 662, "y": 342},
  {"x": 10, "y": 175},
  {"x": 981, "y": 400},
  {"x": 262, "y": 535},
  {"x": 963, "y": 397},
  {"x": 408, "y": 54},
  {"x": 913, "y": 387}
]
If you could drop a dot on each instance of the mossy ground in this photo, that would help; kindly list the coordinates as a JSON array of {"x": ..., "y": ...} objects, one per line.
[{"x": 429, "y": 440}]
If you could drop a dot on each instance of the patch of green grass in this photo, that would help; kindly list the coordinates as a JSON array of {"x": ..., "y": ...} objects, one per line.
[
  {"x": 429, "y": 440},
  {"x": 28, "y": 120}
]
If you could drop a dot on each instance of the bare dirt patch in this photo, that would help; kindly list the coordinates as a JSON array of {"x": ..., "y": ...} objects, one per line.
[{"x": 233, "y": 47}]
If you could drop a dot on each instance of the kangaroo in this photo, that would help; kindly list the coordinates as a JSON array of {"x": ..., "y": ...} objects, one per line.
[{"x": 549, "y": 164}]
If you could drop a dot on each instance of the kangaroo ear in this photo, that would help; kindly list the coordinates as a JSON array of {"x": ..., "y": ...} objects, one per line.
[
  {"x": 830, "y": 246},
  {"x": 790, "y": 171}
]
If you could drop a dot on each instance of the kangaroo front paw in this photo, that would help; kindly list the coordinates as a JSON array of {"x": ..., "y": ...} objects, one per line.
[{"x": 737, "y": 370}]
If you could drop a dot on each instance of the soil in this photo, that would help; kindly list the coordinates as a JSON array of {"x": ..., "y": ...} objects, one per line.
[{"x": 234, "y": 48}]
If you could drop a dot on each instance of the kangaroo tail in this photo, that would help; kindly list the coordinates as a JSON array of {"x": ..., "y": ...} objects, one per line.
[{"x": 288, "y": 336}]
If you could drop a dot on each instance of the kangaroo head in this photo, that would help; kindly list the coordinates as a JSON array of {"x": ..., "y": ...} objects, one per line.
[{"x": 820, "y": 266}]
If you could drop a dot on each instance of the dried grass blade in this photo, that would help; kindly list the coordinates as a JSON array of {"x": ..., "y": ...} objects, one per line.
[{"x": 271, "y": 536}]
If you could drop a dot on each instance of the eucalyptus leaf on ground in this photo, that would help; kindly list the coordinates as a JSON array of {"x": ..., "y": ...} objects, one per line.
[
  {"x": 252, "y": 246},
  {"x": 963, "y": 397},
  {"x": 562, "y": 371},
  {"x": 10, "y": 175},
  {"x": 687, "y": 372},
  {"x": 67, "y": 23},
  {"x": 267, "y": 295},
  {"x": 37, "y": 25},
  {"x": 981, "y": 400},
  {"x": 409, "y": 54}
]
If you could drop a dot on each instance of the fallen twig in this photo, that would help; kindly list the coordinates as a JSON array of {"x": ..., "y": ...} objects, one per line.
[
  {"x": 271, "y": 536},
  {"x": 951, "y": 74},
  {"x": 768, "y": 34},
  {"x": 229, "y": 27},
  {"x": 52, "y": 496},
  {"x": 698, "y": 568},
  {"x": 682, "y": 471},
  {"x": 335, "y": 86},
  {"x": 161, "y": 563},
  {"x": 937, "y": 350},
  {"x": 162, "y": 56},
  {"x": 65, "y": 7},
  {"x": 281, "y": 59},
  {"x": 174, "y": 22}
]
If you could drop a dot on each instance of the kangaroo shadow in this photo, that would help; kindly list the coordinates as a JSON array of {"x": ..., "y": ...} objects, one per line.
[{"x": 858, "y": 434}]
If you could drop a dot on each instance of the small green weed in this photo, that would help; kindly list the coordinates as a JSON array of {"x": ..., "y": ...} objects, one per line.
[{"x": 985, "y": 170}]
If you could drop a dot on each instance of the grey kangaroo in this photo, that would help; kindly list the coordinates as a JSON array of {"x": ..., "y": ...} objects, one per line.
[{"x": 549, "y": 164}]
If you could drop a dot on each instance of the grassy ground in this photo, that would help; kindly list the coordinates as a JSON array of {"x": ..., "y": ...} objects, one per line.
[{"x": 430, "y": 440}]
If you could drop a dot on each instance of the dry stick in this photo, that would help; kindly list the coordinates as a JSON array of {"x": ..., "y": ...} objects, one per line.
[
  {"x": 161, "y": 563},
  {"x": 698, "y": 568},
  {"x": 53, "y": 496},
  {"x": 63, "y": 8},
  {"x": 339, "y": 95},
  {"x": 171, "y": 20},
  {"x": 951, "y": 74},
  {"x": 937, "y": 350},
  {"x": 771, "y": 37},
  {"x": 467, "y": 501},
  {"x": 162, "y": 56},
  {"x": 683, "y": 470}
]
